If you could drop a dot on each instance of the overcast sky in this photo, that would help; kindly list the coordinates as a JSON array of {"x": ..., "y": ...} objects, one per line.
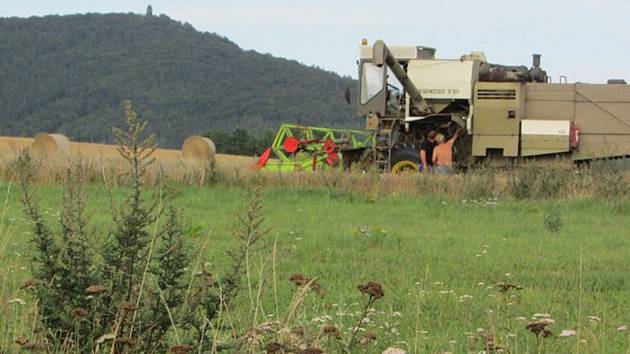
[{"x": 586, "y": 40}]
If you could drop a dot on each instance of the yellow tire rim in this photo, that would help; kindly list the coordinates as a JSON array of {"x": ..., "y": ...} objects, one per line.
[{"x": 405, "y": 166}]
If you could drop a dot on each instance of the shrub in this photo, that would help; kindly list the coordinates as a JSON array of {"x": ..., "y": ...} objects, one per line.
[
  {"x": 608, "y": 179},
  {"x": 119, "y": 304}
]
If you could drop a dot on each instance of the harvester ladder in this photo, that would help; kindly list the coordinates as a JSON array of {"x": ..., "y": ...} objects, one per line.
[{"x": 386, "y": 136}]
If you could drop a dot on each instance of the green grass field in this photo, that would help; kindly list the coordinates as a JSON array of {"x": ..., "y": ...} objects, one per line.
[{"x": 439, "y": 261}]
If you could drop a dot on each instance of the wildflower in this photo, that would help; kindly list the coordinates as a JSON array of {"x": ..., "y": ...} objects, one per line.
[
  {"x": 567, "y": 333},
  {"x": 594, "y": 319},
  {"x": 372, "y": 289},
  {"x": 95, "y": 289},
  {"x": 543, "y": 315},
  {"x": 465, "y": 298}
]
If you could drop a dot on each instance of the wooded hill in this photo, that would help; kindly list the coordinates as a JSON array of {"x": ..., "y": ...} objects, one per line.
[{"x": 70, "y": 74}]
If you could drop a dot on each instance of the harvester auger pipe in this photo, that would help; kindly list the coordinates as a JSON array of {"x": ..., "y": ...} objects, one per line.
[{"x": 382, "y": 55}]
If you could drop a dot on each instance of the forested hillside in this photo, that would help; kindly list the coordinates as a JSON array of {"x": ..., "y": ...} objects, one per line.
[{"x": 70, "y": 74}]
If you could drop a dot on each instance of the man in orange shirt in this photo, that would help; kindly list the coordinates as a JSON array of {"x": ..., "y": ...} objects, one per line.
[{"x": 443, "y": 153}]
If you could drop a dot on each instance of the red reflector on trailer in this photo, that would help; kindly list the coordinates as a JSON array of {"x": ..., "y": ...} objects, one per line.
[{"x": 574, "y": 136}]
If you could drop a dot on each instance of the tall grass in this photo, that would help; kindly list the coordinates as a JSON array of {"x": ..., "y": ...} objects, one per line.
[
  {"x": 458, "y": 277},
  {"x": 529, "y": 180}
]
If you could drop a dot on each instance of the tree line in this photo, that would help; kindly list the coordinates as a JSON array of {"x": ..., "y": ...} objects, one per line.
[{"x": 70, "y": 74}]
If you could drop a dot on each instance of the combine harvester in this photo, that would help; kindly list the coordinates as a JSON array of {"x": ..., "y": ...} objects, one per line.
[{"x": 507, "y": 113}]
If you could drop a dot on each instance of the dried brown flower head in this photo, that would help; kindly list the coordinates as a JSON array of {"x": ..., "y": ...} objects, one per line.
[
  {"x": 21, "y": 340},
  {"x": 80, "y": 312},
  {"x": 368, "y": 337},
  {"x": 303, "y": 280},
  {"x": 491, "y": 345},
  {"x": 127, "y": 306},
  {"x": 504, "y": 287},
  {"x": 274, "y": 348},
  {"x": 331, "y": 331},
  {"x": 26, "y": 344},
  {"x": 95, "y": 289},
  {"x": 539, "y": 328},
  {"x": 253, "y": 336},
  {"x": 372, "y": 289},
  {"x": 298, "y": 331},
  {"x": 181, "y": 349},
  {"x": 29, "y": 284}
]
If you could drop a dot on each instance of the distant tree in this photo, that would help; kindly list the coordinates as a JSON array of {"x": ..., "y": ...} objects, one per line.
[{"x": 149, "y": 11}]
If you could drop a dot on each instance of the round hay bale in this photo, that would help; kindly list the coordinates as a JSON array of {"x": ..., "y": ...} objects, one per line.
[
  {"x": 50, "y": 144},
  {"x": 198, "y": 148}
]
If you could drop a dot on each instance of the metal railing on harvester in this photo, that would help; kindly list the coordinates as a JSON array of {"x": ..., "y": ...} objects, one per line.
[{"x": 301, "y": 148}]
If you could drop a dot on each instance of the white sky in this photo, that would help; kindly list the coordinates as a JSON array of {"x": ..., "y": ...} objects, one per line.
[{"x": 586, "y": 40}]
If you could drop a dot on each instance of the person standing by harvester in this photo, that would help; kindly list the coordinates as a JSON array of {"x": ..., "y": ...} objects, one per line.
[
  {"x": 426, "y": 152},
  {"x": 443, "y": 153}
]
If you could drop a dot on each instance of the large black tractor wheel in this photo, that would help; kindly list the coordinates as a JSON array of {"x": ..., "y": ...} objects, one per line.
[{"x": 405, "y": 159}]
